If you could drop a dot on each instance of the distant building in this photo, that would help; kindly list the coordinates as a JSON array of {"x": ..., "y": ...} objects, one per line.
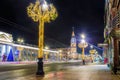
[{"x": 69, "y": 52}]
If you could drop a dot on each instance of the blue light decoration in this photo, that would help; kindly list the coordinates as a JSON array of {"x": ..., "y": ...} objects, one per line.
[
  {"x": 17, "y": 52},
  {"x": 10, "y": 56}
]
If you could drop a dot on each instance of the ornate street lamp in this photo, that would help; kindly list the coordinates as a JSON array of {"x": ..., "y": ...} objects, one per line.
[
  {"x": 20, "y": 41},
  {"x": 41, "y": 12},
  {"x": 83, "y": 44},
  {"x": 92, "y": 51}
]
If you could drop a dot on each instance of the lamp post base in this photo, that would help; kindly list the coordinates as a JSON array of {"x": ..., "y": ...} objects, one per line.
[
  {"x": 83, "y": 62},
  {"x": 40, "y": 71}
]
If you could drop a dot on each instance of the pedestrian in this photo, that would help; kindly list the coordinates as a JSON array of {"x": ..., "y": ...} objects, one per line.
[
  {"x": 4, "y": 57},
  {"x": 83, "y": 62}
]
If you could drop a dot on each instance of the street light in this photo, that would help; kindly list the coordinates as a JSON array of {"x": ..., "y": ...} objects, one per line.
[
  {"x": 20, "y": 40},
  {"x": 92, "y": 51},
  {"x": 83, "y": 44},
  {"x": 91, "y": 46},
  {"x": 41, "y": 12},
  {"x": 83, "y": 36}
]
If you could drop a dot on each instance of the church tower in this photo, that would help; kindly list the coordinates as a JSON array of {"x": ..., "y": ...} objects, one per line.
[{"x": 73, "y": 48}]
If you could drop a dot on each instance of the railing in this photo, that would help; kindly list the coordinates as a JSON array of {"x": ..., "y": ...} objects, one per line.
[{"x": 116, "y": 20}]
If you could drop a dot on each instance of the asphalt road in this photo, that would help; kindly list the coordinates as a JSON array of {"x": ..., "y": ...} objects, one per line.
[
  {"x": 12, "y": 71},
  {"x": 57, "y": 71}
]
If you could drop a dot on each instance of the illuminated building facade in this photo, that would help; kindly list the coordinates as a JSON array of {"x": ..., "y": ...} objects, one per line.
[
  {"x": 112, "y": 32},
  {"x": 5, "y": 41},
  {"x": 10, "y": 51},
  {"x": 73, "y": 48}
]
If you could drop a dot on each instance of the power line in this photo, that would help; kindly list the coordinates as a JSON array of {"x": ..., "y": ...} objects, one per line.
[
  {"x": 56, "y": 42},
  {"x": 13, "y": 24},
  {"x": 95, "y": 46}
]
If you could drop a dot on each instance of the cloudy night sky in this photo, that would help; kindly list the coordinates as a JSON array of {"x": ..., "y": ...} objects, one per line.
[{"x": 86, "y": 16}]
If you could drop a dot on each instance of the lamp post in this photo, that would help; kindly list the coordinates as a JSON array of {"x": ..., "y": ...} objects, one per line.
[
  {"x": 83, "y": 44},
  {"x": 60, "y": 54},
  {"x": 20, "y": 41},
  {"x": 92, "y": 51},
  {"x": 41, "y": 12}
]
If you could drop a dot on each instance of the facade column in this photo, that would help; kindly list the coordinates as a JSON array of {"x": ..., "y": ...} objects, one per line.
[
  {"x": 116, "y": 54},
  {"x": 31, "y": 55},
  {"x": 20, "y": 53},
  {"x": 6, "y": 50},
  {"x": 116, "y": 58}
]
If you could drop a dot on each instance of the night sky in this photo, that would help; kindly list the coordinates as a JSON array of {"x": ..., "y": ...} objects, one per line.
[{"x": 86, "y": 16}]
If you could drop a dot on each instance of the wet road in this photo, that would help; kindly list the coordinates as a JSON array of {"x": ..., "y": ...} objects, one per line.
[
  {"x": 12, "y": 71},
  {"x": 65, "y": 71}
]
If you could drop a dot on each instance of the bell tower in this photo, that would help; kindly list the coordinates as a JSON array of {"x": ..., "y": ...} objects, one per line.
[{"x": 73, "y": 45}]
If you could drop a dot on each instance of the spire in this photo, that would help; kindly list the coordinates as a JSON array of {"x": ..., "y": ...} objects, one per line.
[{"x": 73, "y": 34}]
